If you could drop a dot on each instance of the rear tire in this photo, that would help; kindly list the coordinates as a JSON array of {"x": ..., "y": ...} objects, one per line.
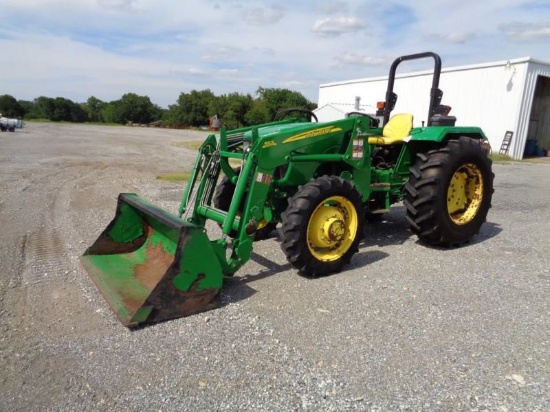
[
  {"x": 222, "y": 200},
  {"x": 322, "y": 226},
  {"x": 449, "y": 192}
]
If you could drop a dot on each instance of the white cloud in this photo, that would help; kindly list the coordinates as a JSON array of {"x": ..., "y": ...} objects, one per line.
[
  {"x": 337, "y": 26},
  {"x": 259, "y": 16},
  {"x": 459, "y": 38},
  {"x": 263, "y": 50},
  {"x": 527, "y": 32},
  {"x": 221, "y": 53},
  {"x": 332, "y": 7},
  {"x": 363, "y": 60},
  {"x": 123, "y": 5},
  {"x": 229, "y": 72},
  {"x": 76, "y": 49},
  {"x": 193, "y": 71}
]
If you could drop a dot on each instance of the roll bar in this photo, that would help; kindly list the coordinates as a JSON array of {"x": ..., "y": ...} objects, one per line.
[{"x": 435, "y": 93}]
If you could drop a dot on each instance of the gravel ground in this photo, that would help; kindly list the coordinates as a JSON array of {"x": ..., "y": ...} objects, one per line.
[{"x": 404, "y": 328}]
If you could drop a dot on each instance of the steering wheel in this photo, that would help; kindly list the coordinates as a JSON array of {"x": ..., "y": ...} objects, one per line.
[
  {"x": 281, "y": 114},
  {"x": 374, "y": 122}
]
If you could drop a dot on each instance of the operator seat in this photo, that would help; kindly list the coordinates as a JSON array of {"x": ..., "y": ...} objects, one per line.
[{"x": 397, "y": 128}]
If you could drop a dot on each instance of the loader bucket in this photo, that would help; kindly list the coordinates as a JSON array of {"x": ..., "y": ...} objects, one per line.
[{"x": 152, "y": 266}]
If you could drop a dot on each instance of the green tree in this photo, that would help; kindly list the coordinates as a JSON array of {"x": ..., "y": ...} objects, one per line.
[
  {"x": 45, "y": 107},
  {"x": 136, "y": 109},
  {"x": 30, "y": 109},
  {"x": 219, "y": 106},
  {"x": 191, "y": 109},
  {"x": 10, "y": 107},
  {"x": 238, "y": 106},
  {"x": 110, "y": 113},
  {"x": 78, "y": 114},
  {"x": 93, "y": 107},
  {"x": 258, "y": 113},
  {"x": 62, "y": 109},
  {"x": 277, "y": 99}
]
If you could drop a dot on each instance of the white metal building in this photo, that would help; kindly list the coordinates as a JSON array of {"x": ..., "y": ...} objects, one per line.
[{"x": 502, "y": 96}]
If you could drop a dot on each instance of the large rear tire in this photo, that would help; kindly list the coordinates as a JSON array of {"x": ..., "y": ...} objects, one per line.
[
  {"x": 222, "y": 200},
  {"x": 449, "y": 192},
  {"x": 322, "y": 226}
]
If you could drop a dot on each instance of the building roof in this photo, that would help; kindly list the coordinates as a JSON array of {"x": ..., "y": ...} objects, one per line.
[
  {"x": 443, "y": 70},
  {"x": 346, "y": 107}
]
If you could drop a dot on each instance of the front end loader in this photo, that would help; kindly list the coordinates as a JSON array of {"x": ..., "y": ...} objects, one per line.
[
  {"x": 317, "y": 182},
  {"x": 152, "y": 265}
]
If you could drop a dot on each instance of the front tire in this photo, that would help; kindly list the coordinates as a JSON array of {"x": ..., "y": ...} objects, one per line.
[
  {"x": 322, "y": 226},
  {"x": 449, "y": 192}
]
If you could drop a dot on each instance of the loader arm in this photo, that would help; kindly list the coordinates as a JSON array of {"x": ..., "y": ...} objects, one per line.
[{"x": 151, "y": 265}]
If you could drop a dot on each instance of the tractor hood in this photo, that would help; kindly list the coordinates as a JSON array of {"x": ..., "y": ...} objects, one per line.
[{"x": 277, "y": 130}]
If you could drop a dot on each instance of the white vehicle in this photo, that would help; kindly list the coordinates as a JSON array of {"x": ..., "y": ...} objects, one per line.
[{"x": 9, "y": 124}]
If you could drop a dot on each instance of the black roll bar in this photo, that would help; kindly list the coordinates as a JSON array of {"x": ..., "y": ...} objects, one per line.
[{"x": 435, "y": 93}]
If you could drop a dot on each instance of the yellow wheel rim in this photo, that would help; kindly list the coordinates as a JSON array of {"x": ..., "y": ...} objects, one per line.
[
  {"x": 465, "y": 194},
  {"x": 332, "y": 228}
]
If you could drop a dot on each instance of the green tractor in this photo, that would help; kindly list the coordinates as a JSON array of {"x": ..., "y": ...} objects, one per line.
[{"x": 318, "y": 182}]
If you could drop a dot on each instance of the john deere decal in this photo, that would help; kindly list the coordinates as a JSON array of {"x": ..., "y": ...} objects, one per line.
[{"x": 313, "y": 133}]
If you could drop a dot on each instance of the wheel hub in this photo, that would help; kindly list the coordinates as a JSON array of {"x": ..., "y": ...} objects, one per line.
[
  {"x": 326, "y": 224},
  {"x": 334, "y": 229},
  {"x": 465, "y": 194}
]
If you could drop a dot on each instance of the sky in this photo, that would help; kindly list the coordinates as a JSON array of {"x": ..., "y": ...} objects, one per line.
[{"x": 161, "y": 48}]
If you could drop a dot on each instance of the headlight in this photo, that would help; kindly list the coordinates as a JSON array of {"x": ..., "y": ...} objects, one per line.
[
  {"x": 486, "y": 146},
  {"x": 246, "y": 146}
]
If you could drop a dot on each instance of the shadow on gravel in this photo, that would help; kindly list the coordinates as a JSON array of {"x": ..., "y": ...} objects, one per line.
[
  {"x": 272, "y": 268},
  {"x": 366, "y": 258},
  {"x": 236, "y": 289},
  {"x": 393, "y": 229}
]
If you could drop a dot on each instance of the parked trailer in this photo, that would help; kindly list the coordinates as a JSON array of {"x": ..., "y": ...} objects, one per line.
[{"x": 10, "y": 124}]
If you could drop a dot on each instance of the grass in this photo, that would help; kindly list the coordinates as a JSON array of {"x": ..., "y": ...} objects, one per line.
[
  {"x": 174, "y": 177},
  {"x": 193, "y": 145},
  {"x": 67, "y": 122},
  {"x": 182, "y": 177},
  {"x": 499, "y": 158}
]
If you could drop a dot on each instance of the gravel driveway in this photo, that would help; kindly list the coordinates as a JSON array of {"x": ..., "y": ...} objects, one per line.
[{"x": 404, "y": 328}]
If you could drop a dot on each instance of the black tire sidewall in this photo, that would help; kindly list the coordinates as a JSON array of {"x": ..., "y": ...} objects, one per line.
[
  {"x": 456, "y": 154},
  {"x": 313, "y": 195}
]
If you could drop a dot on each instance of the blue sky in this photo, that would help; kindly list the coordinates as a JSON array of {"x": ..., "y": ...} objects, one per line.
[{"x": 160, "y": 48}]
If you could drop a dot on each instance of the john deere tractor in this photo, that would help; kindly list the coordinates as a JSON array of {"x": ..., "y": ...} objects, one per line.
[{"x": 316, "y": 182}]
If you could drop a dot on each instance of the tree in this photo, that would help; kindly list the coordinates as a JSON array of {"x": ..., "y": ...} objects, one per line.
[
  {"x": 93, "y": 107},
  {"x": 45, "y": 107},
  {"x": 30, "y": 109},
  {"x": 59, "y": 109},
  {"x": 191, "y": 109},
  {"x": 135, "y": 109},
  {"x": 10, "y": 107},
  {"x": 110, "y": 113},
  {"x": 238, "y": 106},
  {"x": 78, "y": 114},
  {"x": 258, "y": 113},
  {"x": 277, "y": 99},
  {"x": 231, "y": 108}
]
